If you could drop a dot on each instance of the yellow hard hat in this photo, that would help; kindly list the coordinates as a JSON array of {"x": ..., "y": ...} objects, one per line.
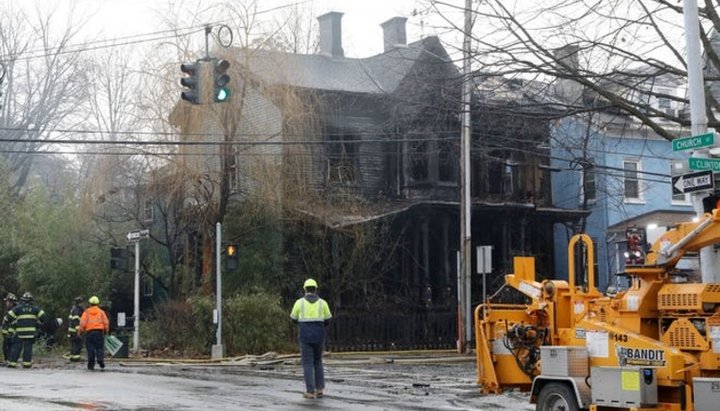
[
  {"x": 94, "y": 300},
  {"x": 310, "y": 283}
]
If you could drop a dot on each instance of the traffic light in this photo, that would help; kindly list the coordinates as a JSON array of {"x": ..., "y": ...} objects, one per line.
[
  {"x": 221, "y": 90},
  {"x": 119, "y": 258},
  {"x": 191, "y": 82},
  {"x": 231, "y": 256}
]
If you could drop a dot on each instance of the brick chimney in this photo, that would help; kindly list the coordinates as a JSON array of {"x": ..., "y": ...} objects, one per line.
[
  {"x": 394, "y": 33},
  {"x": 568, "y": 89},
  {"x": 331, "y": 34}
]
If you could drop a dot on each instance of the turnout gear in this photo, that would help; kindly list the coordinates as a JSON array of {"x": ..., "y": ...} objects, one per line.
[
  {"x": 10, "y": 303},
  {"x": 25, "y": 320},
  {"x": 73, "y": 325},
  {"x": 312, "y": 313}
]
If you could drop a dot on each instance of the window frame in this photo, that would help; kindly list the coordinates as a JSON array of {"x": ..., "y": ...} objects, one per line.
[{"x": 625, "y": 179}]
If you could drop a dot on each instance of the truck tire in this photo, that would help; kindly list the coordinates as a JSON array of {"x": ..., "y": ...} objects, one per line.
[{"x": 556, "y": 396}]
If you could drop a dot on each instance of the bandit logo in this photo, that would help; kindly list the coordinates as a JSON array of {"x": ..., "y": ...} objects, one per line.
[{"x": 645, "y": 357}]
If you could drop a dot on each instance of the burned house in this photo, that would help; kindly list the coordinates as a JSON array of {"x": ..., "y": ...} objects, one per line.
[{"x": 367, "y": 165}]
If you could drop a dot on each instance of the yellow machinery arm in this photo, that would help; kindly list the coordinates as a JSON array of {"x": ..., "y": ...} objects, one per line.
[{"x": 664, "y": 334}]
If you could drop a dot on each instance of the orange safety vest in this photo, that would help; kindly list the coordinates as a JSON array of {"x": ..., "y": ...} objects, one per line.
[{"x": 94, "y": 319}]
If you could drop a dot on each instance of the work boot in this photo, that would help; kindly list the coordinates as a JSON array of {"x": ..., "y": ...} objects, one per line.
[
  {"x": 102, "y": 366},
  {"x": 309, "y": 396},
  {"x": 318, "y": 393}
]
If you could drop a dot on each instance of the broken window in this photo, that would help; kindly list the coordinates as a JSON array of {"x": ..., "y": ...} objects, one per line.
[
  {"x": 418, "y": 157},
  {"x": 342, "y": 158},
  {"x": 447, "y": 162},
  {"x": 510, "y": 177}
]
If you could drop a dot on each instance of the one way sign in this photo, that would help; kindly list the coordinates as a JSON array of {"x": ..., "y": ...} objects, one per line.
[{"x": 687, "y": 183}]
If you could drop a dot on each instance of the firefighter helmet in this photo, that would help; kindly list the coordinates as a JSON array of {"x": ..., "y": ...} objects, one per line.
[
  {"x": 310, "y": 283},
  {"x": 94, "y": 300},
  {"x": 27, "y": 297},
  {"x": 11, "y": 297},
  {"x": 79, "y": 299}
]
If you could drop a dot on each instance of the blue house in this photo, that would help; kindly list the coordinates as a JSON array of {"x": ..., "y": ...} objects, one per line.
[{"x": 620, "y": 170}]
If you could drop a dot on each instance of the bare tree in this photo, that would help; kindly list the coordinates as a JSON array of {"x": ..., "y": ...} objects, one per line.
[
  {"x": 44, "y": 86},
  {"x": 611, "y": 50}
]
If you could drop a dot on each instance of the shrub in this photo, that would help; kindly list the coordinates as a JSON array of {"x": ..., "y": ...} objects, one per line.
[
  {"x": 252, "y": 324},
  {"x": 255, "y": 323}
]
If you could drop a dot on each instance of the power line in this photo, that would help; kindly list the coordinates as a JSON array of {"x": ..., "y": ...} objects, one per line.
[{"x": 131, "y": 40}]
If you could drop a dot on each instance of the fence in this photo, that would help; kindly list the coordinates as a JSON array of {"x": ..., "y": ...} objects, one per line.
[{"x": 388, "y": 330}]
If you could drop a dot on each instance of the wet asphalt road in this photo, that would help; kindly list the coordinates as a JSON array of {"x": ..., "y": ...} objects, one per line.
[{"x": 241, "y": 387}]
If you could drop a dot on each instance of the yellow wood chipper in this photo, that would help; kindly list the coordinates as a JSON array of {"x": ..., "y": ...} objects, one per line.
[{"x": 653, "y": 346}]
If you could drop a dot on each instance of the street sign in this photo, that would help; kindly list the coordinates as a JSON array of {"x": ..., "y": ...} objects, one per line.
[
  {"x": 700, "y": 164},
  {"x": 687, "y": 143},
  {"x": 136, "y": 235},
  {"x": 688, "y": 183}
]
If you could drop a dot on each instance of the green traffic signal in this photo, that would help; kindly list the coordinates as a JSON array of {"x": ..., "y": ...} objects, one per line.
[
  {"x": 222, "y": 95},
  {"x": 221, "y": 90}
]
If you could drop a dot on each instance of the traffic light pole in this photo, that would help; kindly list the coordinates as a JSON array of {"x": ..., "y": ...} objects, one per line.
[{"x": 136, "y": 303}]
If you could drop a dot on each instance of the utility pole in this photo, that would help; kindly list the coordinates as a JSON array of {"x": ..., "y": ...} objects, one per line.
[
  {"x": 464, "y": 273},
  {"x": 218, "y": 351},
  {"x": 709, "y": 259},
  {"x": 134, "y": 237}
]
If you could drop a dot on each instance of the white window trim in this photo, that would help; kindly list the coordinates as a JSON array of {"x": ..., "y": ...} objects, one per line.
[
  {"x": 640, "y": 199},
  {"x": 686, "y": 202}
]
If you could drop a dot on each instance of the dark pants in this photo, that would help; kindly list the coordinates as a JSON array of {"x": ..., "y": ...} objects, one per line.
[
  {"x": 95, "y": 344},
  {"x": 75, "y": 347},
  {"x": 312, "y": 366},
  {"x": 26, "y": 346},
  {"x": 7, "y": 346}
]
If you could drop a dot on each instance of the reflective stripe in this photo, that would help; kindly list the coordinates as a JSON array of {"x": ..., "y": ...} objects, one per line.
[
  {"x": 27, "y": 317},
  {"x": 317, "y": 316}
]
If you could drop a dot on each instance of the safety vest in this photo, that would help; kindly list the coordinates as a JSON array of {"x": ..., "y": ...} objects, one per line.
[
  {"x": 25, "y": 320},
  {"x": 74, "y": 319},
  {"x": 306, "y": 311},
  {"x": 94, "y": 319}
]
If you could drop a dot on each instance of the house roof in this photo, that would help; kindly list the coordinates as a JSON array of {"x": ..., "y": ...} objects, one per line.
[{"x": 378, "y": 74}]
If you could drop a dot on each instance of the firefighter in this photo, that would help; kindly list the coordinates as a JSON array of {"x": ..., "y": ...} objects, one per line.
[
  {"x": 25, "y": 319},
  {"x": 94, "y": 324},
  {"x": 10, "y": 303},
  {"x": 73, "y": 322},
  {"x": 312, "y": 313}
]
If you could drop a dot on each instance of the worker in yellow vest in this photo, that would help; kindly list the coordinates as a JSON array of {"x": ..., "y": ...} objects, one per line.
[{"x": 312, "y": 314}]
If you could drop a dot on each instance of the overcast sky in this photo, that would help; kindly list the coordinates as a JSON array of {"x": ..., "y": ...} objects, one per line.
[{"x": 362, "y": 35}]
